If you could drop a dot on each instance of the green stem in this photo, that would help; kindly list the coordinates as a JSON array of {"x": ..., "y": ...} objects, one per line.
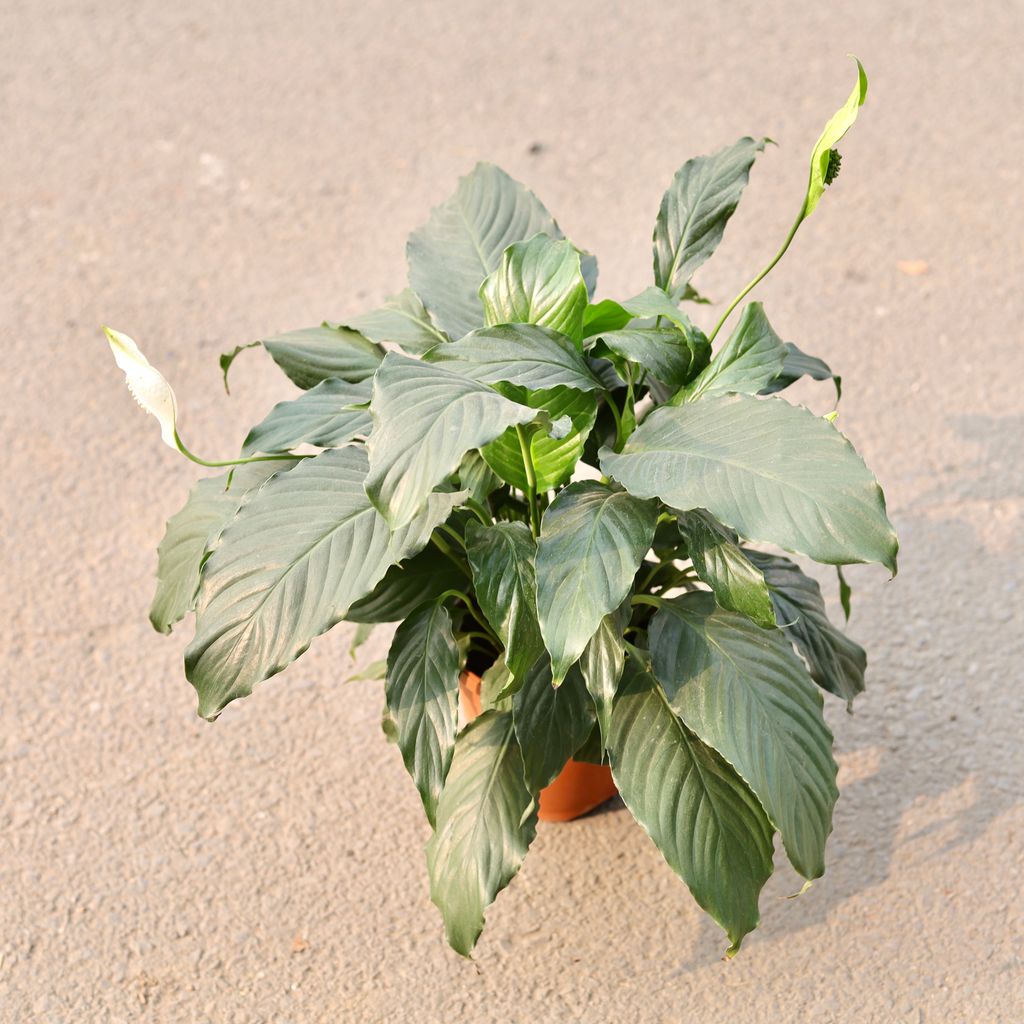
[
  {"x": 451, "y": 533},
  {"x": 234, "y": 462},
  {"x": 479, "y": 511},
  {"x": 489, "y": 635},
  {"x": 649, "y": 599},
  {"x": 450, "y": 555},
  {"x": 531, "y": 480},
  {"x": 760, "y": 277}
]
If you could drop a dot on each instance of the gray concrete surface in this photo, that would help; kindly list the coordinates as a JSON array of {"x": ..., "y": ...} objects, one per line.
[{"x": 198, "y": 173}]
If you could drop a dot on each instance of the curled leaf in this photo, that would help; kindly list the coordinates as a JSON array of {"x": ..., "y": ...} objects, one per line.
[{"x": 147, "y": 384}]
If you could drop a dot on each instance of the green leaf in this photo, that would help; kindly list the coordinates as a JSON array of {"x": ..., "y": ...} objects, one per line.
[
  {"x": 537, "y": 282},
  {"x": 609, "y": 315},
  {"x": 699, "y": 813},
  {"x": 751, "y": 358},
  {"x": 845, "y": 592},
  {"x": 667, "y": 353},
  {"x": 553, "y": 458},
  {"x": 592, "y": 541},
  {"x": 375, "y": 670},
  {"x": 694, "y": 211},
  {"x": 464, "y": 240},
  {"x": 486, "y": 820},
  {"x": 403, "y": 321},
  {"x": 328, "y": 416},
  {"x": 404, "y": 587},
  {"x": 536, "y": 358},
  {"x": 769, "y": 470},
  {"x": 228, "y": 358},
  {"x": 502, "y": 560},
  {"x": 298, "y": 554},
  {"x": 425, "y": 419},
  {"x": 798, "y": 364},
  {"x": 606, "y": 315},
  {"x": 602, "y": 663},
  {"x": 552, "y": 723},
  {"x": 836, "y": 663},
  {"x": 720, "y": 563},
  {"x": 496, "y": 688},
  {"x": 836, "y": 128},
  {"x": 422, "y": 691},
  {"x": 210, "y": 506},
  {"x": 744, "y": 692},
  {"x": 315, "y": 354},
  {"x": 362, "y": 633},
  {"x": 476, "y": 477}
]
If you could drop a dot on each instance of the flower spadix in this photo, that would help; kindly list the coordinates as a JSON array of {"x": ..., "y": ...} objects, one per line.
[{"x": 147, "y": 384}]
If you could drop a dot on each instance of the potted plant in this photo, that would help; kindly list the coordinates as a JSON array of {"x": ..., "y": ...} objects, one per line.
[{"x": 557, "y": 499}]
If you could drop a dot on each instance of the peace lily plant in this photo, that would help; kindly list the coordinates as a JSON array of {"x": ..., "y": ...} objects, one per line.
[{"x": 562, "y": 494}]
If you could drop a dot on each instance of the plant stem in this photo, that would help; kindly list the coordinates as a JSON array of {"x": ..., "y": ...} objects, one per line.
[
  {"x": 531, "y": 480},
  {"x": 234, "y": 462},
  {"x": 760, "y": 277},
  {"x": 479, "y": 511},
  {"x": 489, "y": 635},
  {"x": 451, "y": 533},
  {"x": 649, "y": 599}
]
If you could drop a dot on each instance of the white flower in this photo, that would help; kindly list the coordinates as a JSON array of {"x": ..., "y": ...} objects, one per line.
[{"x": 146, "y": 383}]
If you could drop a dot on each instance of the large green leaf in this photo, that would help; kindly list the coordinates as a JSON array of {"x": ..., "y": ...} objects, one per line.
[
  {"x": 744, "y": 692},
  {"x": 554, "y": 458},
  {"x": 753, "y": 356},
  {"x": 771, "y": 471},
  {"x": 315, "y": 354},
  {"x": 328, "y": 416},
  {"x": 210, "y": 506},
  {"x": 720, "y": 563},
  {"x": 667, "y": 353},
  {"x": 602, "y": 663},
  {"x": 422, "y": 691},
  {"x": 537, "y": 358},
  {"x": 552, "y": 723},
  {"x": 486, "y": 820},
  {"x": 799, "y": 364},
  {"x": 837, "y": 127},
  {"x": 403, "y": 321},
  {"x": 835, "y": 661},
  {"x": 404, "y": 587},
  {"x": 298, "y": 554},
  {"x": 592, "y": 541},
  {"x": 425, "y": 419},
  {"x": 694, "y": 211},
  {"x": 537, "y": 282},
  {"x": 502, "y": 559},
  {"x": 699, "y": 812},
  {"x": 463, "y": 242}
]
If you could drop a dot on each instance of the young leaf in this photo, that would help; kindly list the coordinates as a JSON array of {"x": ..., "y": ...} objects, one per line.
[
  {"x": 328, "y": 416},
  {"x": 592, "y": 541},
  {"x": 797, "y": 364},
  {"x": 551, "y": 722},
  {"x": 422, "y": 690},
  {"x": 496, "y": 688},
  {"x": 476, "y": 477},
  {"x": 403, "y": 321},
  {"x": 486, "y": 820},
  {"x": 744, "y": 692},
  {"x": 314, "y": 354},
  {"x": 694, "y": 211},
  {"x": 753, "y": 356},
  {"x": 771, "y": 471},
  {"x": 602, "y": 663},
  {"x": 210, "y": 506},
  {"x": 362, "y": 633},
  {"x": 667, "y": 353},
  {"x": 404, "y": 587},
  {"x": 147, "y": 384},
  {"x": 536, "y": 358},
  {"x": 836, "y": 663},
  {"x": 537, "y": 282},
  {"x": 837, "y": 127},
  {"x": 298, "y": 554},
  {"x": 502, "y": 559},
  {"x": 425, "y": 419},
  {"x": 464, "y": 240},
  {"x": 720, "y": 563},
  {"x": 553, "y": 458},
  {"x": 697, "y": 810}
]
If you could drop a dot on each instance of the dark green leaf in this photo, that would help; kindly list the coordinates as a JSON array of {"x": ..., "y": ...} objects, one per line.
[
  {"x": 797, "y": 364},
  {"x": 602, "y": 663},
  {"x": 694, "y": 211},
  {"x": 298, "y": 554},
  {"x": 315, "y": 354},
  {"x": 422, "y": 690},
  {"x": 744, "y": 692},
  {"x": 700, "y": 814},
  {"x": 592, "y": 540},
  {"x": 551, "y": 722},
  {"x": 666, "y": 353},
  {"x": 403, "y": 321},
  {"x": 486, "y": 820},
  {"x": 502, "y": 559},
  {"x": 769, "y": 470},
  {"x": 404, "y": 587}
]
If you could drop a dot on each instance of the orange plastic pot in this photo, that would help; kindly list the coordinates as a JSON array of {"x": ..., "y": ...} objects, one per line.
[{"x": 578, "y": 789}]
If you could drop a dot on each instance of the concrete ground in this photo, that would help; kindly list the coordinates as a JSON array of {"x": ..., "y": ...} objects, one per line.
[{"x": 198, "y": 174}]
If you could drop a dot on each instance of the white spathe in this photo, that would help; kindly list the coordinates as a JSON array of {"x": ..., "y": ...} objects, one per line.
[{"x": 147, "y": 384}]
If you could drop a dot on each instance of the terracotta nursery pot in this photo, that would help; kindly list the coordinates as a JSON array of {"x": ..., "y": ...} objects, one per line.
[{"x": 578, "y": 789}]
